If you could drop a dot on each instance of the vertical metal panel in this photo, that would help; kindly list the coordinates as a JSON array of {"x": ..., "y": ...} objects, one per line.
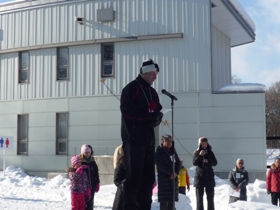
[{"x": 221, "y": 69}]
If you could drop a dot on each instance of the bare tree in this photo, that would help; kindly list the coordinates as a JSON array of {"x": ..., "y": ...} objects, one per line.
[
  {"x": 235, "y": 79},
  {"x": 272, "y": 110}
]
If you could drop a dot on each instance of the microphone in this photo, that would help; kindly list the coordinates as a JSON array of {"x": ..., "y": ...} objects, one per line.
[{"x": 169, "y": 94}]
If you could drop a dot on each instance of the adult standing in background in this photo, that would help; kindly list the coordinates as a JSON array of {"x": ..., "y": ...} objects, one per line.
[
  {"x": 163, "y": 159},
  {"x": 92, "y": 172},
  {"x": 273, "y": 182},
  {"x": 119, "y": 177},
  {"x": 238, "y": 180},
  {"x": 204, "y": 159},
  {"x": 140, "y": 108}
]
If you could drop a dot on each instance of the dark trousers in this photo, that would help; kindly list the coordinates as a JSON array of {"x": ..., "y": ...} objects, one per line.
[
  {"x": 275, "y": 197},
  {"x": 182, "y": 190},
  {"x": 140, "y": 176},
  {"x": 168, "y": 205},
  {"x": 90, "y": 203},
  {"x": 199, "y": 198}
]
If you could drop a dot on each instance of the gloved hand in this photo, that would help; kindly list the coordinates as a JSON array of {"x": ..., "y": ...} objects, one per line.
[
  {"x": 155, "y": 119},
  {"x": 79, "y": 170},
  {"x": 268, "y": 191},
  {"x": 97, "y": 187},
  {"x": 88, "y": 194}
]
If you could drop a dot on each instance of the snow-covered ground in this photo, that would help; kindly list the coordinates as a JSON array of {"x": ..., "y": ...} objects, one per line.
[{"x": 18, "y": 191}]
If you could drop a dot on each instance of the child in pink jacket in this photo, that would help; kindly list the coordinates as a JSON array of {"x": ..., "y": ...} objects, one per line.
[{"x": 80, "y": 186}]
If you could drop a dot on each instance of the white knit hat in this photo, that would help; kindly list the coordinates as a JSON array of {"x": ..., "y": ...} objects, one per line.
[
  {"x": 85, "y": 148},
  {"x": 148, "y": 66}
]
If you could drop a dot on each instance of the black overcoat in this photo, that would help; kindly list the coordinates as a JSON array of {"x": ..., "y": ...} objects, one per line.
[
  {"x": 204, "y": 174},
  {"x": 119, "y": 176},
  {"x": 163, "y": 160},
  {"x": 137, "y": 125}
]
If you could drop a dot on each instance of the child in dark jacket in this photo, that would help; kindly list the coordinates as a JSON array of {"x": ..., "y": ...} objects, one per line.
[
  {"x": 92, "y": 172},
  {"x": 80, "y": 187}
]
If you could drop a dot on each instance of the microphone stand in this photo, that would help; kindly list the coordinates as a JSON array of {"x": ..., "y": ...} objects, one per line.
[
  {"x": 173, "y": 156},
  {"x": 172, "y": 97}
]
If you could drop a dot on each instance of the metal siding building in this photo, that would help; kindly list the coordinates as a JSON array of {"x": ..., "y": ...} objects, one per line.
[{"x": 189, "y": 39}]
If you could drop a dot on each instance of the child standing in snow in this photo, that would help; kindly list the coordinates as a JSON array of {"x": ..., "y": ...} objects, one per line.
[
  {"x": 80, "y": 187},
  {"x": 92, "y": 173}
]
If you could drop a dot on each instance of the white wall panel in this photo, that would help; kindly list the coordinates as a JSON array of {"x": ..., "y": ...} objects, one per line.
[{"x": 221, "y": 63}]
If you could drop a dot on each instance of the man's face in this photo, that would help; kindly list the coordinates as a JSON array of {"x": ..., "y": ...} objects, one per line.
[{"x": 150, "y": 77}]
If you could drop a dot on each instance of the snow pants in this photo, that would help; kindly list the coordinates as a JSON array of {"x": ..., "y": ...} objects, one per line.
[{"x": 78, "y": 201}]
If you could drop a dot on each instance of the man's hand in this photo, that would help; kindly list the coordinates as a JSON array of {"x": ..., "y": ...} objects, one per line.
[{"x": 155, "y": 119}]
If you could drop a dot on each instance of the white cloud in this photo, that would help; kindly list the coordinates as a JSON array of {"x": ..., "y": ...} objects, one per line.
[
  {"x": 239, "y": 63},
  {"x": 270, "y": 76},
  {"x": 259, "y": 61},
  {"x": 271, "y": 9}
]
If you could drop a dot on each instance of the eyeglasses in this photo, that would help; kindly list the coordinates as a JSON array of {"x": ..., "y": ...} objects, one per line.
[{"x": 241, "y": 163}]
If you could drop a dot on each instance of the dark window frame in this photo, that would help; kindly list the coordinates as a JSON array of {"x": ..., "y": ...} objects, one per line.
[
  {"x": 20, "y": 139},
  {"x": 22, "y": 69},
  {"x": 106, "y": 62},
  {"x": 59, "y": 139},
  {"x": 62, "y": 66}
]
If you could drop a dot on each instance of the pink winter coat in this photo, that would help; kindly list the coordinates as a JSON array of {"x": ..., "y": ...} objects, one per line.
[{"x": 273, "y": 180}]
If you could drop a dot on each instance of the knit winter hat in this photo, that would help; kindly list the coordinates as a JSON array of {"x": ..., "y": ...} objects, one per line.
[
  {"x": 75, "y": 159},
  {"x": 148, "y": 66},
  {"x": 201, "y": 139},
  {"x": 85, "y": 148}
]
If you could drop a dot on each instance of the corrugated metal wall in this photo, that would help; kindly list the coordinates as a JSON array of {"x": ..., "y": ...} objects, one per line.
[
  {"x": 221, "y": 63},
  {"x": 185, "y": 63},
  {"x": 55, "y": 24}
]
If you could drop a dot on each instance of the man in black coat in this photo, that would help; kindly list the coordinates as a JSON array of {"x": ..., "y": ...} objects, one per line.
[
  {"x": 163, "y": 159},
  {"x": 204, "y": 159},
  {"x": 140, "y": 108}
]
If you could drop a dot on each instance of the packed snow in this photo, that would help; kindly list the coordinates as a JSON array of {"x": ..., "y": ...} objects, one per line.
[
  {"x": 242, "y": 88},
  {"x": 20, "y": 191}
]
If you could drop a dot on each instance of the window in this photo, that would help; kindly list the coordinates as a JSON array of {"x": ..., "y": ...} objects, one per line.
[
  {"x": 61, "y": 133},
  {"x": 107, "y": 60},
  {"x": 62, "y": 63},
  {"x": 23, "y": 67},
  {"x": 22, "y": 134}
]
